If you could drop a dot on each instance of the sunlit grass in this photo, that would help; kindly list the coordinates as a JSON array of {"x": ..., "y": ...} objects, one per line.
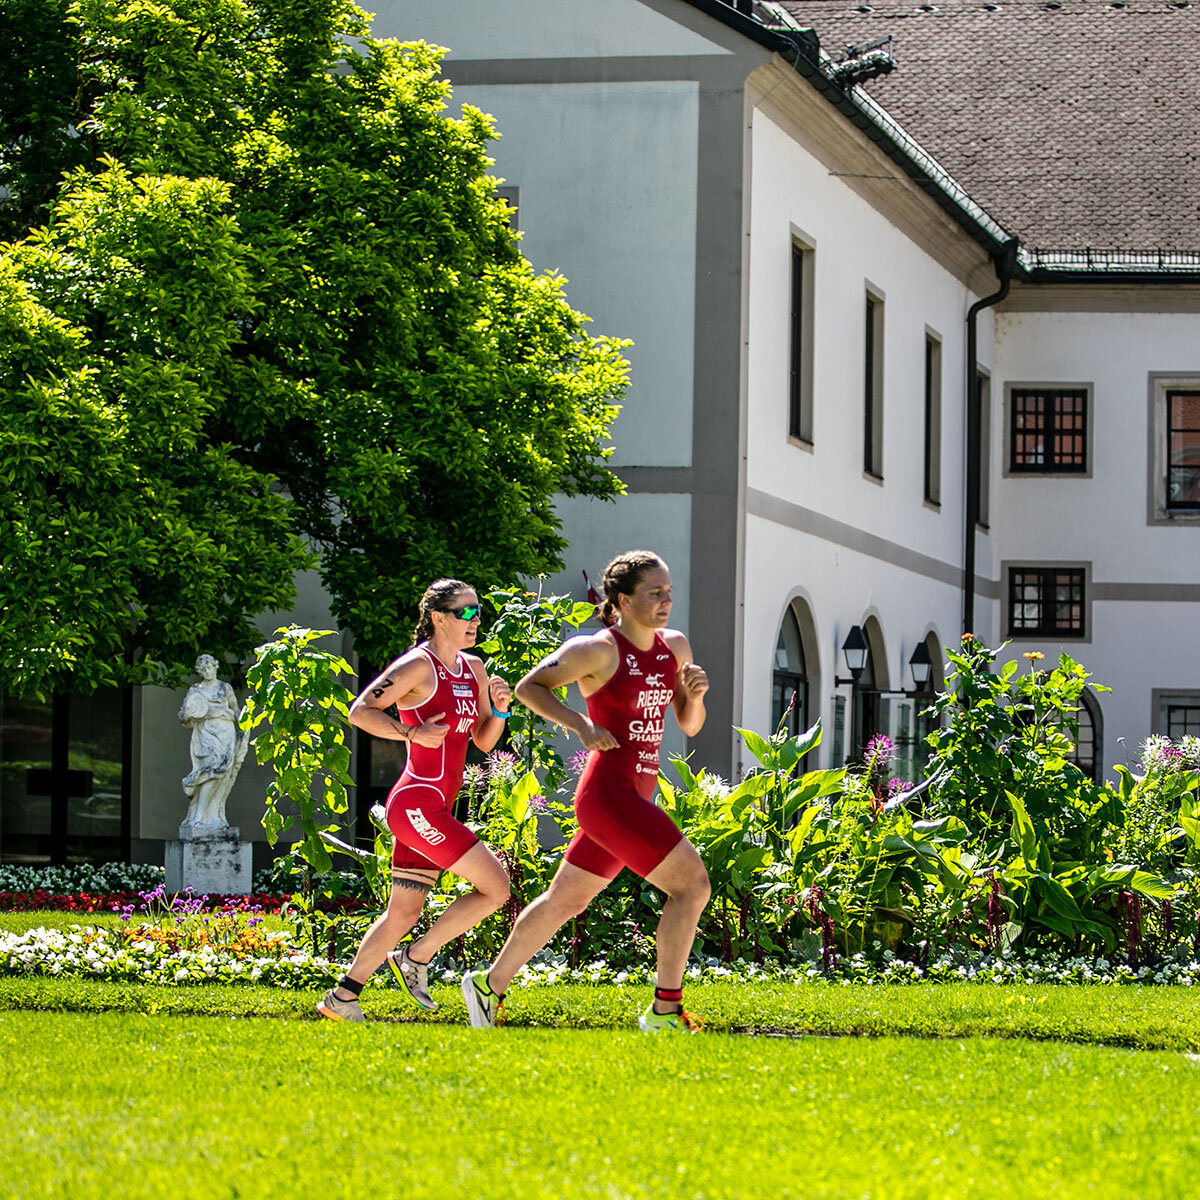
[{"x": 148, "y": 1106}]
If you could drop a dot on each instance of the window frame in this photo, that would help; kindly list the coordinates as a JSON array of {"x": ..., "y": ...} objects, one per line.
[
  {"x": 873, "y": 357},
  {"x": 933, "y": 419},
  {"x": 801, "y": 342},
  {"x": 1044, "y": 633},
  {"x": 1190, "y": 506},
  {"x": 984, "y": 507},
  {"x": 1158, "y": 510},
  {"x": 1051, "y": 470},
  {"x": 1162, "y": 700}
]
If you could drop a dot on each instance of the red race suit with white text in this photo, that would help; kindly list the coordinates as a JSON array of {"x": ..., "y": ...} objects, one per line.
[
  {"x": 619, "y": 823},
  {"x": 421, "y": 803}
]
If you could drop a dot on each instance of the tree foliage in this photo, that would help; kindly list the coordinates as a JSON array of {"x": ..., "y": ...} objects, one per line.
[{"x": 274, "y": 305}]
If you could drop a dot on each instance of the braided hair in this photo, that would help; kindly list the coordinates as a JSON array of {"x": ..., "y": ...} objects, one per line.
[
  {"x": 622, "y": 576},
  {"x": 436, "y": 598}
]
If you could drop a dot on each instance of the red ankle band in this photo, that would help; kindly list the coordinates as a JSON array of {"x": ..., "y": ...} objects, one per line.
[{"x": 671, "y": 995}]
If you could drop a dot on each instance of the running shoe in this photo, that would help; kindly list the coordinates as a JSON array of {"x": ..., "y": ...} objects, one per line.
[
  {"x": 676, "y": 1022},
  {"x": 413, "y": 977},
  {"x": 340, "y": 1010},
  {"x": 482, "y": 1003}
]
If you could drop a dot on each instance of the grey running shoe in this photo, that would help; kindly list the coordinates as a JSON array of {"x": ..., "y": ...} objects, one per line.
[
  {"x": 413, "y": 977},
  {"x": 482, "y": 1003},
  {"x": 340, "y": 1010}
]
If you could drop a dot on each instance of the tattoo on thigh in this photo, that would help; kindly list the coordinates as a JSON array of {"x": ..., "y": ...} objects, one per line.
[{"x": 414, "y": 883}]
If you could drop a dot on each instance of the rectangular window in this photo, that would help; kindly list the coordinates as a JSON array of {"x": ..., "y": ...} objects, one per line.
[
  {"x": 1183, "y": 450},
  {"x": 800, "y": 406},
  {"x": 873, "y": 388},
  {"x": 1048, "y": 430},
  {"x": 1046, "y": 602},
  {"x": 933, "y": 419},
  {"x": 983, "y": 482},
  {"x": 1183, "y": 720}
]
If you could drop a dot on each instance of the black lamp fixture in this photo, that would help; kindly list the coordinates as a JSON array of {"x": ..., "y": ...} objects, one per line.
[
  {"x": 855, "y": 648},
  {"x": 921, "y": 666}
]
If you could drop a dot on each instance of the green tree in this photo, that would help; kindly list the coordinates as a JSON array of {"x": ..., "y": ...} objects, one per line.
[{"x": 350, "y": 332}]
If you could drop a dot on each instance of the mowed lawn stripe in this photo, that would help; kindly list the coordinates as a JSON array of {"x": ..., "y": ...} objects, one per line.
[
  {"x": 140, "y": 1106},
  {"x": 1164, "y": 1018}
]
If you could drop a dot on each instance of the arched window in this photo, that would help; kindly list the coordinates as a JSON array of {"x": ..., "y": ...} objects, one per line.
[
  {"x": 789, "y": 677},
  {"x": 1088, "y": 741}
]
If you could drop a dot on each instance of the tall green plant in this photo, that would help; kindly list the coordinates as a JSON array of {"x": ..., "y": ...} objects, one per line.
[
  {"x": 299, "y": 706},
  {"x": 1041, "y": 828}
]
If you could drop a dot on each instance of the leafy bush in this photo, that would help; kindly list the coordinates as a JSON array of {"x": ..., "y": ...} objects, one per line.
[{"x": 1041, "y": 835}]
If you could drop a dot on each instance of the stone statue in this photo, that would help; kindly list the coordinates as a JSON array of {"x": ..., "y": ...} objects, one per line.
[{"x": 218, "y": 747}]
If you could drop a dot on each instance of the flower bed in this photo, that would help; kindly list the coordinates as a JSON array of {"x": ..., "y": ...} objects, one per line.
[
  {"x": 240, "y": 952},
  {"x": 40, "y": 900}
]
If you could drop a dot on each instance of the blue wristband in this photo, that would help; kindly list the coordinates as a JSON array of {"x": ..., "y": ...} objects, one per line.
[{"x": 502, "y": 715}]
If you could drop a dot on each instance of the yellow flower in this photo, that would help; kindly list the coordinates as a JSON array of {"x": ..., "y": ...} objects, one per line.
[{"x": 1033, "y": 655}]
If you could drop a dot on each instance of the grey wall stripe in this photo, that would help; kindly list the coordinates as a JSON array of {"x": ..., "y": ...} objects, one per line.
[
  {"x": 478, "y": 72},
  {"x": 656, "y": 479},
  {"x": 1176, "y": 593},
  {"x": 808, "y": 520}
]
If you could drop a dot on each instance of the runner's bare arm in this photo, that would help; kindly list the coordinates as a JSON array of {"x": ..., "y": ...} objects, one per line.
[
  {"x": 406, "y": 683},
  {"x": 691, "y": 683},
  {"x": 493, "y": 693},
  {"x": 576, "y": 660}
]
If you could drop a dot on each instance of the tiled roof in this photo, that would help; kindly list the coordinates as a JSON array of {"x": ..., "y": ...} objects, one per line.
[{"x": 1073, "y": 122}]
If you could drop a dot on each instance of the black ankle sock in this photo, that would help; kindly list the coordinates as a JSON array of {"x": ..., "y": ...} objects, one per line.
[{"x": 349, "y": 985}]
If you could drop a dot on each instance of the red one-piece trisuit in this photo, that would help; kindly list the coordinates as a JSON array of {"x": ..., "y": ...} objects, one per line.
[
  {"x": 619, "y": 824},
  {"x": 421, "y": 802}
]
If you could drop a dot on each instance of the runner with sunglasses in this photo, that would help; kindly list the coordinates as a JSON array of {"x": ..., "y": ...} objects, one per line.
[
  {"x": 629, "y": 675},
  {"x": 444, "y": 699}
]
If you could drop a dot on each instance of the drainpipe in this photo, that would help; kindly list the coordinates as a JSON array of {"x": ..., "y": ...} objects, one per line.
[{"x": 1005, "y": 263}]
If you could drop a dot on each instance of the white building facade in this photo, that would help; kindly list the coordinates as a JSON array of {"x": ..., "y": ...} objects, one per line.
[{"x": 798, "y": 278}]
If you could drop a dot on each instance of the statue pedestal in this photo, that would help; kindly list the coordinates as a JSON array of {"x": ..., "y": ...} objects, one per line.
[{"x": 209, "y": 861}]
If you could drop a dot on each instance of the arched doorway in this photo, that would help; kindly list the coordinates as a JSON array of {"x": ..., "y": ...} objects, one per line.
[
  {"x": 867, "y": 716},
  {"x": 789, "y": 677}
]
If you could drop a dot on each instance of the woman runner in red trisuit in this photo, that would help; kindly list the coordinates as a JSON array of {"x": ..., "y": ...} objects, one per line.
[
  {"x": 628, "y": 674},
  {"x": 444, "y": 700}
]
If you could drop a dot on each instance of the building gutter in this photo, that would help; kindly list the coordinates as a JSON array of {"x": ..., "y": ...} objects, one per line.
[{"x": 1006, "y": 267}]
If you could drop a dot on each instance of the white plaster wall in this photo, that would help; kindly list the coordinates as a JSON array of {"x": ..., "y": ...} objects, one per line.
[
  {"x": 793, "y": 194},
  {"x": 607, "y": 179},
  {"x": 855, "y": 246},
  {"x": 1116, "y": 353},
  {"x": 1134, "y": 645},
  {"x": 539, "y": 28}
]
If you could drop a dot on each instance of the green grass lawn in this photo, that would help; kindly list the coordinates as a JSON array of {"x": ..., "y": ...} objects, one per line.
[
  {"x": 131, "y": 1105},
  {"x": 1151, "y": 1018}
]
